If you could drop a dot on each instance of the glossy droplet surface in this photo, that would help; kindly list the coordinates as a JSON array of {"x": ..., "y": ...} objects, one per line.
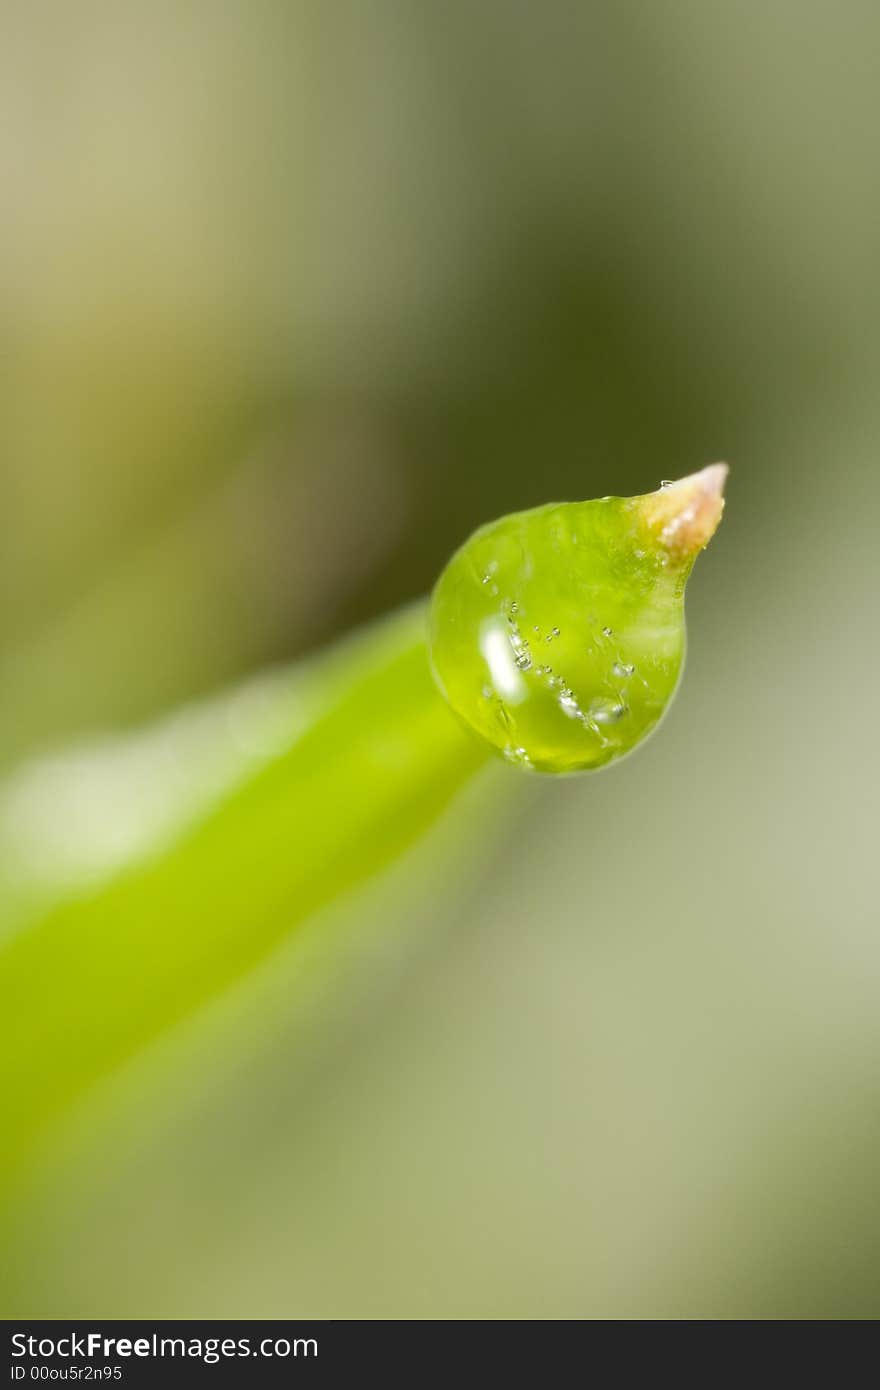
[{"x": 569, "y": 657}]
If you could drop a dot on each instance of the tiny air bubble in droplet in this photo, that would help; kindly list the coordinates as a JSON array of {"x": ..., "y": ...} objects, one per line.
[
  {"x": 606, "y": 711},
  {"x": 569, "y": 705},
  {"x": 503, "y": 716},
  {"x": 518, "y": 756}
]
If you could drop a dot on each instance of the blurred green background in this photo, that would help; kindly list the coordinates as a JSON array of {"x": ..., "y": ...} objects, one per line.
[{"x": 293, "y": 297}]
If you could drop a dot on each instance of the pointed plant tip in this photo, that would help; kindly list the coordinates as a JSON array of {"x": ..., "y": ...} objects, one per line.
[{"x": 684, "y": 516}]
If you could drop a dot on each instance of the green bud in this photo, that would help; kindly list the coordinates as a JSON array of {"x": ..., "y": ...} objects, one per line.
[{"x": 558, "y": 634}]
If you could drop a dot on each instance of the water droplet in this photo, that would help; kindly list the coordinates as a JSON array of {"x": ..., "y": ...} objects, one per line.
[
  {"x": 622, "y": 669},
  {"x": 522, "y": 659},
  {"x": 513, "y": 610},
  {"x": 555, "y": 631},
  {"x": 536, "y": 628},
  {"x": 667, "y": 482},
  {"x": 608, "y": 631},
  {"x": 487, "y": 692},
  {"x": 549, "y": 637}
]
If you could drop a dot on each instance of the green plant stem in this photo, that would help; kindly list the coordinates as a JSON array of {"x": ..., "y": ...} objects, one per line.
[{"x": 99, "y": 977}]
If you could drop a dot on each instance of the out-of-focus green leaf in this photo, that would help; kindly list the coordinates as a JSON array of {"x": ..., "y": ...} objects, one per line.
[{"x": 373, "y": 757}]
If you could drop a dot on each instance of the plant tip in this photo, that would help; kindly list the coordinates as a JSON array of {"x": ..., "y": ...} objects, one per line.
[{"x": 684, "y": 515}]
